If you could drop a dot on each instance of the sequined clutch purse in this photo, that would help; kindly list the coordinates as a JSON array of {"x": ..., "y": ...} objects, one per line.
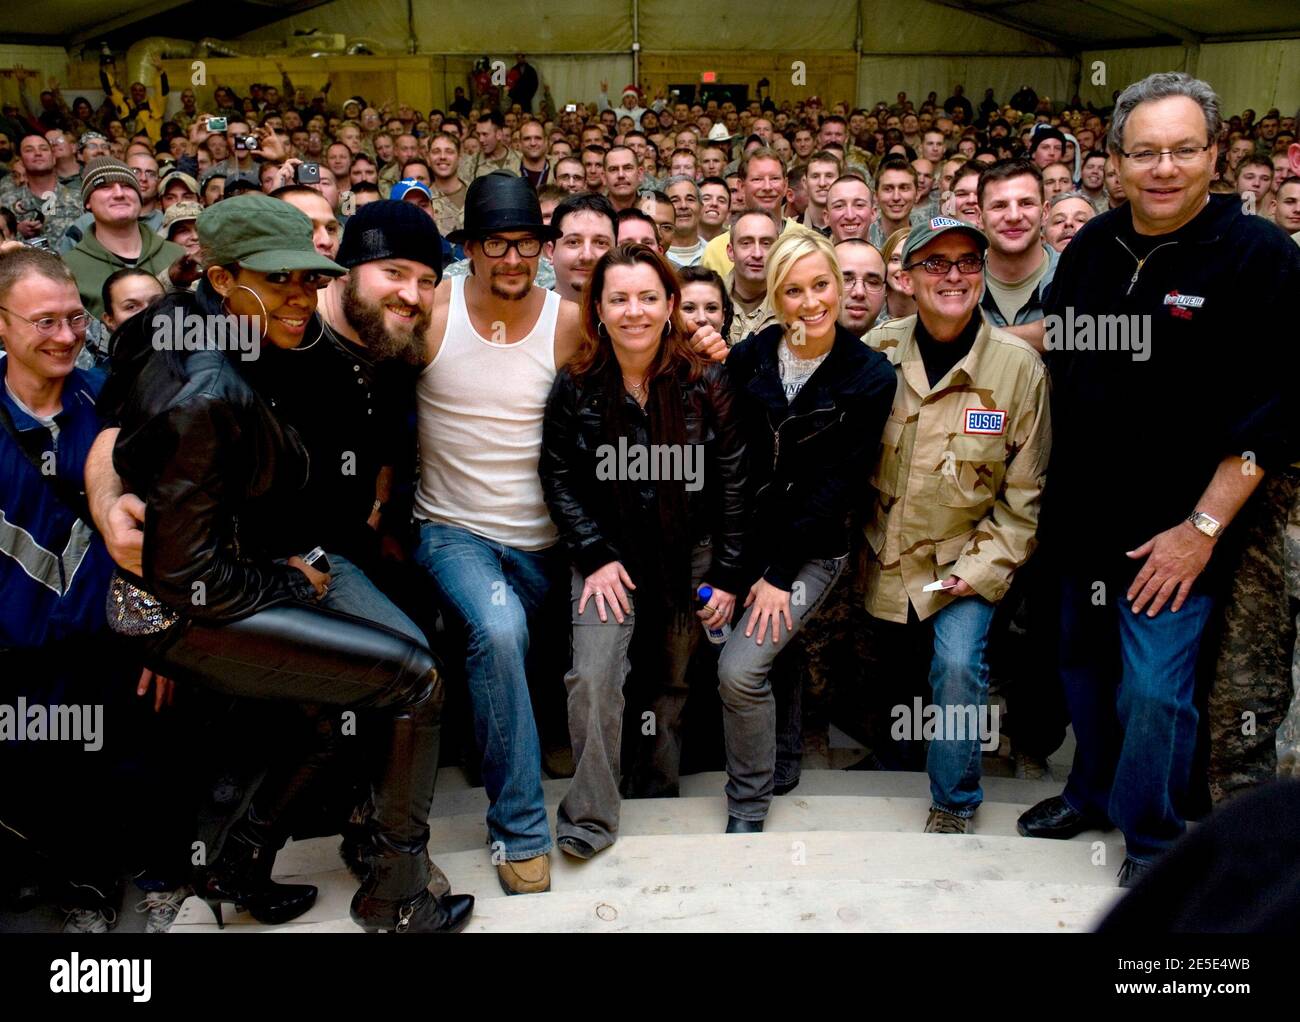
[{"x": 133, "y": 611}]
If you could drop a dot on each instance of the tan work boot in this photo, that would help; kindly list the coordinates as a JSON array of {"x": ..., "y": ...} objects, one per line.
[
  {"x": 527, "y": 876},
  {"x": 939, "y": 822}
]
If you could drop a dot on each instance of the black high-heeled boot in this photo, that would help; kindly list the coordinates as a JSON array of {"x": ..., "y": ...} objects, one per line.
[
  {"x": 243, "y": 875},
  {"x": 395, "y": 897},
  {"x": 395, "y": 894}
]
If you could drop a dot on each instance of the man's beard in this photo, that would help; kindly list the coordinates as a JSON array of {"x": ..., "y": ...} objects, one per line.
[
  {"x": 508, "y": 296},
  {"x": 383, "y": 341}
]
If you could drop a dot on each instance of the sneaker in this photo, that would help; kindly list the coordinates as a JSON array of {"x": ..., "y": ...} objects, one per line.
[
  {"x": 940, "y": 822},
  {"x": 162, "y": 907},
  {"x": 89, "y": 920}
]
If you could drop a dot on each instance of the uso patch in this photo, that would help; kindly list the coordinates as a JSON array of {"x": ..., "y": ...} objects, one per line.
[{"x": 985, "y": 421}]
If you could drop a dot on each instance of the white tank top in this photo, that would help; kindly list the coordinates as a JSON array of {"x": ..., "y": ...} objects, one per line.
[{"x": 480, "y": 427}]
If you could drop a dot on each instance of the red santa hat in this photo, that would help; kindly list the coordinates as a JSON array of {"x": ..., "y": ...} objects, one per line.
[{"x": 633, "y": 90}]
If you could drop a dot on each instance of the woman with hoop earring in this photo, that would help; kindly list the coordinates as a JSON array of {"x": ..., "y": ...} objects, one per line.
[
  {"x": 642, "y": 538},
  {"x": 233, "y": 595}
]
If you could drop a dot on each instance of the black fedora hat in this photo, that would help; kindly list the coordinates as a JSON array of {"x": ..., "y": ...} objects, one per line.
[{"x": 501, "y": 201}]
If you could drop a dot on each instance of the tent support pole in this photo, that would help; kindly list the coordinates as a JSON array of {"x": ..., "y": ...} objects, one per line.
[
  {"x": 636, "y": 42},
  {"x": 857, "y": 59}
]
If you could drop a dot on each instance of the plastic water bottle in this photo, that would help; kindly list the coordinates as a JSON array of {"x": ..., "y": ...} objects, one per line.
[{"x": 717, "y": 636}]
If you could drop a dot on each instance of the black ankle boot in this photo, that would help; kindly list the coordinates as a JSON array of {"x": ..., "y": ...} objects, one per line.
[
  {"x": 395, "y": 897},
  {"x": 243, "y": 875}
]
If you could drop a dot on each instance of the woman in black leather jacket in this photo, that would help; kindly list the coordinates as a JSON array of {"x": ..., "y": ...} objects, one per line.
[
  {"x": 812, "y": 400},
  {"x": 642, "y": 466},
  {"x": 224, "y": 599}
]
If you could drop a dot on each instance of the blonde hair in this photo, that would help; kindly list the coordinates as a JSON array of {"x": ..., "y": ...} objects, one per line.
[
  {"x": 893, "y": 243},
  {"x": 793, "y": 244}
]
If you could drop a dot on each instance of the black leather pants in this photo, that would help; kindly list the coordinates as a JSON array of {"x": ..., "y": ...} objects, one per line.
[{"x": 298, "y": 653}]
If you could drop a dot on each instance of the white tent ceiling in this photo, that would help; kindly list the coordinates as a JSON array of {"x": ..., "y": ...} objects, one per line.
[{"x": 1073, "y": 25}]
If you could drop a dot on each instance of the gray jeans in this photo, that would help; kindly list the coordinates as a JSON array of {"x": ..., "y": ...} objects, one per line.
[
  {"x": 590, "y": 807},
  {"x": 748, "y": 707}
]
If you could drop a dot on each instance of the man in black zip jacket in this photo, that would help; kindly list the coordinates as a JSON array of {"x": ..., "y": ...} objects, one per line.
[{"x": 1168, "y": 414}]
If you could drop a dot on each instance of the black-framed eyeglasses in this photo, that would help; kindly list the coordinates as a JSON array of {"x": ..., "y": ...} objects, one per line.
[
  {"x": 938, "y": 265},
  {"x": 528, "y": 248},
  {"x": 1150, "y": 157},
  {"x": 46, "y": 325}
]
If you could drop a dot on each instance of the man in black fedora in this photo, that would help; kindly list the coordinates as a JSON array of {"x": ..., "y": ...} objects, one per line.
[{"x": 493, "y": 348}]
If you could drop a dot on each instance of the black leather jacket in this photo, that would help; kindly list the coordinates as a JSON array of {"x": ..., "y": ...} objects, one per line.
[
  {"x": 809, "y": 461},
  {"x": 584, "y": 506},
  {"x": 219, "y": 473}
]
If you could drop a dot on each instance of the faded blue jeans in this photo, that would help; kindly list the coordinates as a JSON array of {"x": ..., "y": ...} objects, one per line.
[
  {"x": 494, "y": 591},
  {"x": 959, "y": 688},
  {"x": 351, "y": 592}
]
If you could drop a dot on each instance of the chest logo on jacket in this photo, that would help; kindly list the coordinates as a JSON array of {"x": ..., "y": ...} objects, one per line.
[{"x": 1181, "y": 306}]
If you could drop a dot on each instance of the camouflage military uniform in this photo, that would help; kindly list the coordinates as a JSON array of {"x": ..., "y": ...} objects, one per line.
[
  {"x": 958, "y": 483},
  {"x": 389, "y": 174},
  {"x": 924, "y": 211},
  {"x": 67, "y": 207},
  {"x": 960, "y": 471},
  {"x": 1257, "y": 670},
  {"x": 745, "y": 323},
  {"x": 446, "y": 213},
  {"x": 876, "y": 234},
  {"x": 480, "y": 165}
]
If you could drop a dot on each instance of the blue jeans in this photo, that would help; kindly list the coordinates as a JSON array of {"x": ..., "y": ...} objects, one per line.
[
  {"x": 351, "y": 592},
  {"x": 1129, "y": 681},
  {"x": 494, "y": 591},
  {"x": 959, "y": 678}
]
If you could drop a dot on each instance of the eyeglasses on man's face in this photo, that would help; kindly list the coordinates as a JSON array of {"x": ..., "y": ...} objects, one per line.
[
  {"x": 970, "y": 263},
  {"x": 1150, "y": 157},
  {"x": 47, "y": 325},
  {"x": 528, "y": 248},
  {"x": 871, "y": 282}
]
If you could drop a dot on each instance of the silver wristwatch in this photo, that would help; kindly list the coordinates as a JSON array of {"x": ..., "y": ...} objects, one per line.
[{"x": 1207, "y": 524}]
